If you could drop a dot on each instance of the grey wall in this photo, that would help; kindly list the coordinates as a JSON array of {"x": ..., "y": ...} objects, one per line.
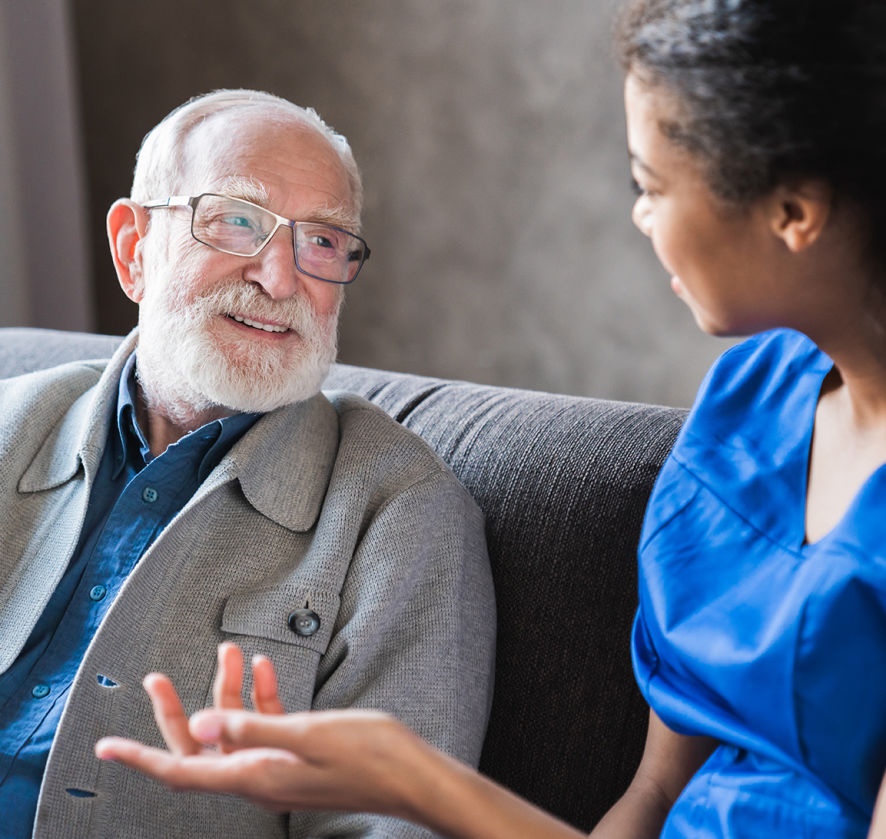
[
  {"x": 43, "y": 247},
  {"x": 491, "y": 137}
]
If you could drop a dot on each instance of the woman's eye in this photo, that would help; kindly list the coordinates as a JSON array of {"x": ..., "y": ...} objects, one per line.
[{"x": 641, "y": 191}]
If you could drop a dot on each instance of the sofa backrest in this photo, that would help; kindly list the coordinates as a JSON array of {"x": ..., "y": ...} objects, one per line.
[{"x": 563, "y": 482}]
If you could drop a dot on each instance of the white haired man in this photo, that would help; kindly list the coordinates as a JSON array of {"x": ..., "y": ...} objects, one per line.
[{"x": 199, "y": 488}]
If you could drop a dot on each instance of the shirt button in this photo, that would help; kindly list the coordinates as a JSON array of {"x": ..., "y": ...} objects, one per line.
[
  {"x": 150, "y": 495},
  {"x": 304, "y": 622},
  {"x": 97, "y": 593},
  {"x": 39, "y": 691}
]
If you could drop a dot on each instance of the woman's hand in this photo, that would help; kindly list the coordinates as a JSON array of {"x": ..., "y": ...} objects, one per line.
[
  {"x": 340, "y": 760},
  {"x": 362, "y": 761},
  {"x": 226, "y": 694},
  {"x": 337, "y": 760}
]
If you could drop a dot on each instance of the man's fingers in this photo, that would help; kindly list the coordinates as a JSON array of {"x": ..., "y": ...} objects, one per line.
[
  {"x": 170, "y": 715},
  {"x": 227, "y": 690},
  {"x": 264, "y": 687}
]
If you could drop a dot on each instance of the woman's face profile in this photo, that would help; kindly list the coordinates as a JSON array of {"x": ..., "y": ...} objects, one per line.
[{"x": 718, "y": 254}]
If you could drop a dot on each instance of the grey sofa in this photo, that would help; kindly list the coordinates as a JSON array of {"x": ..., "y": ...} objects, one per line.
[{"x": 563, "y": 482}]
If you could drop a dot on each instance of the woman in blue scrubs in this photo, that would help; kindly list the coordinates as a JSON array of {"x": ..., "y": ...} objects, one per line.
[{"x": 756, "y": 131}]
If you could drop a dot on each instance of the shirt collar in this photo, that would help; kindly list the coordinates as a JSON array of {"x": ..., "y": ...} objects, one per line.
[
  {"x": 129, "y": 441},
  {"x": 131, "y": 445}
]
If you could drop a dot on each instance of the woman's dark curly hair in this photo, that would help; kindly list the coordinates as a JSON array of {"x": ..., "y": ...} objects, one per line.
[{"x": 771, "y": 90}]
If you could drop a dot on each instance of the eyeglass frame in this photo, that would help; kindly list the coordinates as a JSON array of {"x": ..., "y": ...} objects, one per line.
[{"x": 191, "y": 201}]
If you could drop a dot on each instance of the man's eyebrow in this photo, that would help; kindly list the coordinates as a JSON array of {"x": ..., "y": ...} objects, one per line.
[
  {"x": 338, "y": 217},
  {"x": 246, "y": 188},
  {"x": 249, "y": 189}
]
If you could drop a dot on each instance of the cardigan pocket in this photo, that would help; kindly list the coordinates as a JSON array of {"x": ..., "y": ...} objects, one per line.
[
  {"x": 292, "y": 626},
  {"x": 266, "y": 613}
]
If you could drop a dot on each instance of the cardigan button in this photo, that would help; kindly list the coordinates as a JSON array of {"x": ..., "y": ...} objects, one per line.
[{"x": 304, "y": 622}]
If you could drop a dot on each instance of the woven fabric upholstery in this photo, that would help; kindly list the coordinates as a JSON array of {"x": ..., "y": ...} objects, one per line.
[
  {"x": 563, "y": 482},
  {"x": 26, "y": 350}
]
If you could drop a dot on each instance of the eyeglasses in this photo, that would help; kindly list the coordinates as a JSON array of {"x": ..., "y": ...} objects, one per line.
[{"x": 241, "y": 228}]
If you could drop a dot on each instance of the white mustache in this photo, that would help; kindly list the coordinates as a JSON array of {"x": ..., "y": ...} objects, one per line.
[
  {"x": 295, "y": 312},
  {"x": 186, "y": 368}
]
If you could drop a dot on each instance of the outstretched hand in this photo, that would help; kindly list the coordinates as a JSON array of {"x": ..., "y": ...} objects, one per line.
[
  {"x": 226, "y": 694},
  {"x": 340, "y": 760}
]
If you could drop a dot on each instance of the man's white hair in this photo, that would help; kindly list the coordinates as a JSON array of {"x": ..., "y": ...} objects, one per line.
[{"x": 160, "y": 161}]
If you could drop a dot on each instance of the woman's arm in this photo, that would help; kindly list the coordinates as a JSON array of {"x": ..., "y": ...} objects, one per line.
[
  {"x": 368, "y": 761},
  {"x": 339, "y": 760},
  {"x": 669, "y": 761},
  {"x": 878, "y": 823}
]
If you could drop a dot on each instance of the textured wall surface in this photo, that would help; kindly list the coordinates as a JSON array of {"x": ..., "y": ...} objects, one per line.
[
  {"x": 491, "y": 137},
  {"x": 45, "y": 257}
]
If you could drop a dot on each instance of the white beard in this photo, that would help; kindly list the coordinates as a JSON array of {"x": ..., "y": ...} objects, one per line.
[{"x": 184, "y": 370}]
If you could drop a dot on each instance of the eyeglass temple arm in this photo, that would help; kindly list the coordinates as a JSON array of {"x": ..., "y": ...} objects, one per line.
[{"x": 172, "y": 201}]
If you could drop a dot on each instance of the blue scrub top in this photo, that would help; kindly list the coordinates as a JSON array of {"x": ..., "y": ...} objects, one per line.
[{"x": 747, "y": 633}]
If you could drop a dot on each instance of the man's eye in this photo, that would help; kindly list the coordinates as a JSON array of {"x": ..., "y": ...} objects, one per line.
[
  {"x": 320, "y": 241},
  {"x": 237, "y": 221}
]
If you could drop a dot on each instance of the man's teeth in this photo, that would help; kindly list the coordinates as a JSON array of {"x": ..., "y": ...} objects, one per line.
[{"x": 267, "y": 327}]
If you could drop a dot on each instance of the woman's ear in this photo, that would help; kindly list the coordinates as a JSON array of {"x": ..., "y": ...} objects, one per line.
[
  {"x": 127, "y": 225},
  {"x": 799, "y": 212}
]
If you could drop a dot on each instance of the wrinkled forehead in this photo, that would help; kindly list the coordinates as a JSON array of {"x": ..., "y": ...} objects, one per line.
[{"x": 270, "y": 157}]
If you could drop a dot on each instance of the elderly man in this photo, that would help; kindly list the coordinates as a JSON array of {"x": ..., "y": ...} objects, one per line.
[{"x": 199, "y": 488}]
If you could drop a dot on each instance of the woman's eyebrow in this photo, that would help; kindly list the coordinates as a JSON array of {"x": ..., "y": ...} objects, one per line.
[{"x": 638, "y": 161}]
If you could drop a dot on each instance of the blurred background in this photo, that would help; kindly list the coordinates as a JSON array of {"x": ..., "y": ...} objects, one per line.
[{"x": 491, "y": 138}]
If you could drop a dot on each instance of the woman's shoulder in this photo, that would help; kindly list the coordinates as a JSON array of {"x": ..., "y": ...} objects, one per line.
[
  {"x": 759, "y": 363},
  {"x": 762, "y": 377}
]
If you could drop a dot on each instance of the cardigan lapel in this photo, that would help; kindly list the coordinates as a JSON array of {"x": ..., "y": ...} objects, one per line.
[
  {"x": 286, "y": 490},
  {"x": 43, "y": 518},
  {"x": 80, "y": 435}
]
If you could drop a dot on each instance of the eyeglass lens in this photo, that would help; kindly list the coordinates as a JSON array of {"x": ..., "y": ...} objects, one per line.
[{"x": 241, "y": 228}]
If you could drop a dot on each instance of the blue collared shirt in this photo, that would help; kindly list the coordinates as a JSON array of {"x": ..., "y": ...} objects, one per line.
[{"x": 133, "y": 498}]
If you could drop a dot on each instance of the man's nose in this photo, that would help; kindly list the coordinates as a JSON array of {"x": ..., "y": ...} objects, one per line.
[{"x": 274, "y": 268}]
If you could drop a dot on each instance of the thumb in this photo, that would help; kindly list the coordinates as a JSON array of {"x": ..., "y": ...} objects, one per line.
[{"x": 245, "y": 729}]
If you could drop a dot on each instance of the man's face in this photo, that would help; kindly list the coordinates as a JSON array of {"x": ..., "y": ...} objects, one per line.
[{"x": 247, "y": 334}]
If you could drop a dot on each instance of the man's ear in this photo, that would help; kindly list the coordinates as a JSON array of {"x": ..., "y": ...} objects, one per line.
[
  {"x": 127, "y": 225},
  {"x": 799, "y": 212}
]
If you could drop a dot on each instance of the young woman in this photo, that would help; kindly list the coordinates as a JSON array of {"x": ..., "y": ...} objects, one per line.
[{"x": 756, "y": 131}]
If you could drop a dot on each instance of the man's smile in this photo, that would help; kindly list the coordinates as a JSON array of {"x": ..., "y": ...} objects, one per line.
[{"x": 266, "y": 327}]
